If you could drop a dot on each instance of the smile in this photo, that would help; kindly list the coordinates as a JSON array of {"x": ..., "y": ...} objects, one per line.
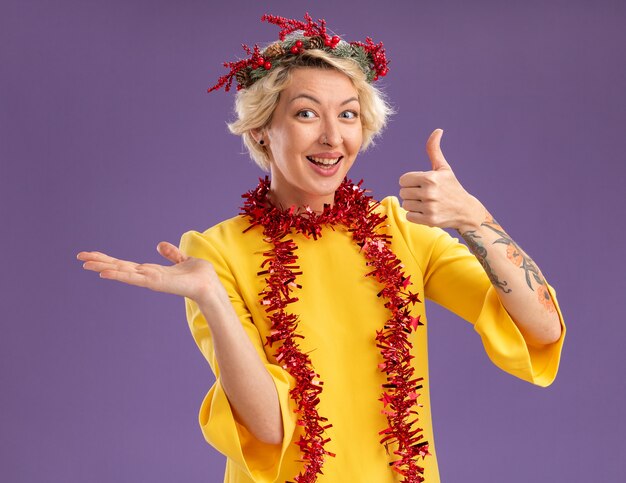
[{"x": 325, "y": 162}]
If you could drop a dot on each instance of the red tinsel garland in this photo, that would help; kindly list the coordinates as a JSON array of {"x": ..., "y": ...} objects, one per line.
[{"x": 356, "y": 211}]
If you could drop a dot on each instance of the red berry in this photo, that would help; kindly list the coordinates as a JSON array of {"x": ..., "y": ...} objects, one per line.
[
  {"x": 260, "y": 61},
  {"x": 328, "y": 42},
  {"x": 335, "y": 39},
  {"x": 384, "y": 72},
  {"x": 294, "y": 49},
  {"x": 298, "y": 43},
  {"x": 267, "y": 65}
]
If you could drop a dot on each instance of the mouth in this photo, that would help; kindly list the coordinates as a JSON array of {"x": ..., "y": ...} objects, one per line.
[{"x": 324, "y": 162}]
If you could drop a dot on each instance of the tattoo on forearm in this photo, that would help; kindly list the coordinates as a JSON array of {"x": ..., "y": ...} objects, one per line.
[
  {"x": 479, "y": 250},
  {"x": 516, "y": 255}
]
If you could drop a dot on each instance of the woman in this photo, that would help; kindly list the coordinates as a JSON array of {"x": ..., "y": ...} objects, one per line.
[{"x": 309, "y": 304}]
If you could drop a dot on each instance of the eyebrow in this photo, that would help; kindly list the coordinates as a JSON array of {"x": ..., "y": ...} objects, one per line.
[{"x": 306, "y": 96}]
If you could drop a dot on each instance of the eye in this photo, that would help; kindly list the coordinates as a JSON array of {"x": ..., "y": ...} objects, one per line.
[
  {"x": 306, "y": 114},
  {"x": 349, "y": 114}
]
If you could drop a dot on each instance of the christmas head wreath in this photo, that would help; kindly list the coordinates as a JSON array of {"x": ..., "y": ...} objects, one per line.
[{"x": 295, "y": 38}]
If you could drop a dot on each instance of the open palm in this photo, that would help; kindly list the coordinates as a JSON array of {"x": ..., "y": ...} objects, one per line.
[{"x": 189, "y": 277}]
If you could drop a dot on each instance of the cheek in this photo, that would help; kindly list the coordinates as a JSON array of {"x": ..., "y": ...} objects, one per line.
[
  {"x": 286, "y": 140},
  {"x": 279, "y": 142},
  {"x": 356, "y": 140}
]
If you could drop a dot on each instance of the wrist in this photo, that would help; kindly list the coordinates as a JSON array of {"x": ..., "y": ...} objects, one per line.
[
  {"x": 212, "y": 298},
  {"x": 473, "y": 217},
  {"x": 211, "y": 293}
]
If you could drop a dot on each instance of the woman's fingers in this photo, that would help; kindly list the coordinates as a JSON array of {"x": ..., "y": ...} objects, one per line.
[
  {"x": 165, "y": 249},
  {"x": 95, "y": 256},
  {"x": 117, "y": 265},
  {"x": 187, "y": 276},
  {"x": 148, "y": 275},
  {"x": 131, "y": 277},
  {"x": 100, "y": 261},
  {"x": 413, "y": 205},
  {"x": 97, "y": 266},
  {"x": 112, "y": 268},
  {"x": 171, "y": 252}
]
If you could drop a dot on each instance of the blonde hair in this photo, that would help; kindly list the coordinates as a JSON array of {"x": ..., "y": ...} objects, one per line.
[{"x": 255, "y": 105}]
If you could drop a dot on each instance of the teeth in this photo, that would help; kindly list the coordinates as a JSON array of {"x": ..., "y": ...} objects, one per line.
[{"x": 325, "y": 161}]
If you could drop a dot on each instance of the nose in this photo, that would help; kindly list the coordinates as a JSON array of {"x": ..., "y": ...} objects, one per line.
[{"x": 331, "y": 133}]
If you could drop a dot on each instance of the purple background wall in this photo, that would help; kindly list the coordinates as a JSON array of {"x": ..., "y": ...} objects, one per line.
[{"x": 109, "y": 142}]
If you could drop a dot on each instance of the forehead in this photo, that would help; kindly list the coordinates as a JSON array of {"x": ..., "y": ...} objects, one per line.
[{"x": 323, "y": 84}]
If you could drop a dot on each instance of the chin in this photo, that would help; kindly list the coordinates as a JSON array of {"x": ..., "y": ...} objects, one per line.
[{"x": 327, "y": 188}]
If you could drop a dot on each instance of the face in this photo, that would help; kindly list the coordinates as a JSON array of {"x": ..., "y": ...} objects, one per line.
[{"x": 314, "y": 137}]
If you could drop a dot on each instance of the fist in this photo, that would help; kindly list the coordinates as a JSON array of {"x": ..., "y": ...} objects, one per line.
[{"x": 435, "y": 197}]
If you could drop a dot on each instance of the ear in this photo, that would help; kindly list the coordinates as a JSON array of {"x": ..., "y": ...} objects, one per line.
[{"x": 257, "y": 135}]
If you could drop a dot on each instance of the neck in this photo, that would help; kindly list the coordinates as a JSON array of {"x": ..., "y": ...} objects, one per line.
[{"x": 287, "y": 198}]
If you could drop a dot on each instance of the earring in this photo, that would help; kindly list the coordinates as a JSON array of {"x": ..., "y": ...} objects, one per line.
[{"x": 261, "y": 142}]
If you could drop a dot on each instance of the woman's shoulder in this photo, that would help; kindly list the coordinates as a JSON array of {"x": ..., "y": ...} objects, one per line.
[
  {"x": 225, "y": 235},
  {"x": 390, "y": 206},
  {"x": 234, "y": 225}
]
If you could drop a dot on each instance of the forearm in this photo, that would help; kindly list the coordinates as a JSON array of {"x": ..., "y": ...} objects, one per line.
[
  {"x": 436, "y": 198},
  {"x": 243, "y": 376},
  {"x": 518, "y": 281}
]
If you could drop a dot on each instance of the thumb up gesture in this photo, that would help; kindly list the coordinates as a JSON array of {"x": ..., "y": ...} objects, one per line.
[{"x": 435, "y": 197}]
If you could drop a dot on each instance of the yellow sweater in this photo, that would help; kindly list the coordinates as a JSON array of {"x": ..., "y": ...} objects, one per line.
[{"x": 339, "y": 315}]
